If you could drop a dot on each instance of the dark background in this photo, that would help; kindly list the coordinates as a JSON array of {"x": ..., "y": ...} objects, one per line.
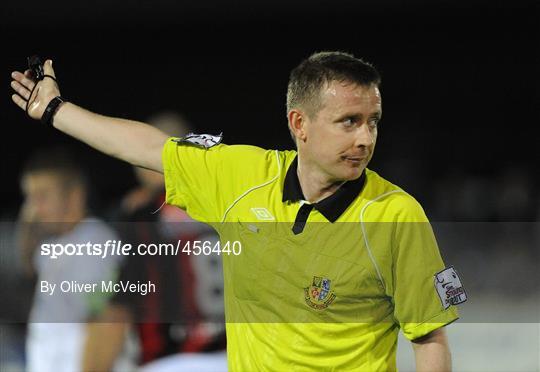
[{"x": 459, "y": 129}]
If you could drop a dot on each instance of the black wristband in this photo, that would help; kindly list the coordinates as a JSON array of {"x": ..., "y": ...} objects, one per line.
[{"x": 47, "y": 116}]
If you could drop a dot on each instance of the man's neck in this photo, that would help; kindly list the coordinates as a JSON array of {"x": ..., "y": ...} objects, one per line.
[{"x": 316, "y": 185}]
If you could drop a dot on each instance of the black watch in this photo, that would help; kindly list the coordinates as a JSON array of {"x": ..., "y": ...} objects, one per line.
[{"x": 47, "y": 117}]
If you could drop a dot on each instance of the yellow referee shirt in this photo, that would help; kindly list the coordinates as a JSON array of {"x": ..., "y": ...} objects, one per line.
[{"x": 322, "y": 286}]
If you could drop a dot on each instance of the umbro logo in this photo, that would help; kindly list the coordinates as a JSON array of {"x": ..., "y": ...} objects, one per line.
[{"x": 263, "y": 214}]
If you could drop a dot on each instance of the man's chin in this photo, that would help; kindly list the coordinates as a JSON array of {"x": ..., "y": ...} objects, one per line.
[{"x": 353, "y": 173}]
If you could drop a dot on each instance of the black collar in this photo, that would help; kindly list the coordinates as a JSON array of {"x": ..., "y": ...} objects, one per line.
[{"x": 330, "y": 207}]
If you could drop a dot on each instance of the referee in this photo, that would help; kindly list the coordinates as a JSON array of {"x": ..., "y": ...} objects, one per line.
[{"x": 330, "y": 259}]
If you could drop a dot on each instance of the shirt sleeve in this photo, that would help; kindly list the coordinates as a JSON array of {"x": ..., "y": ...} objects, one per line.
[
  {"x": 190, "y": 179},
  {"x": 416, "y": 261},
  {"x": 205, "y": 182}
]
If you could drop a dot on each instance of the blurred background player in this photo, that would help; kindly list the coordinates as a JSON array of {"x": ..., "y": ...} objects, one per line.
[
  {"x": 181, "y": 325},
  {"x": 55, "y": 210}
]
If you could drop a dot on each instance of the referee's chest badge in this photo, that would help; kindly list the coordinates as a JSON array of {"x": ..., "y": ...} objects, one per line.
[{"x": 319, "y": 295}]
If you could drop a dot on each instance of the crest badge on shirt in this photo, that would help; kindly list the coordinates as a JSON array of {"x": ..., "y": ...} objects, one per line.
[
  {"x": 319, "y": 295},
  {"x": 200, "y": 140},
  {"x": 449, "y": 287}
]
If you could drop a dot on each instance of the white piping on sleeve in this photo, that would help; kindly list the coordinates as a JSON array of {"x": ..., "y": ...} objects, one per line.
[
  {"x": 365, "y": 235},
  {"x": 253, "y": 188}
]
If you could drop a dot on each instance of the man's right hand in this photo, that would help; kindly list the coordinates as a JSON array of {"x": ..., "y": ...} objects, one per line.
[
  {"x": 135, "y": 142},
  {"x": 43, "y": 93}
]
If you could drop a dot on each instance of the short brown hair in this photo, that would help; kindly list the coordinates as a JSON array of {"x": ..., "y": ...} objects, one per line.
[
  {"x": 313, "y": 73},
  {"x": 60, "y": 161}
]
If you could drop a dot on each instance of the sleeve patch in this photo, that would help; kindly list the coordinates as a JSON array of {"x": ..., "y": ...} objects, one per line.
[
  {"x": 200, "y": 140},
  {"x": 449, "y": 287}
]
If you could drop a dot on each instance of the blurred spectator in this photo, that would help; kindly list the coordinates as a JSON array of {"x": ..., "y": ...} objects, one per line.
[
  {"x": 181, "y": 325},
  {"x": 460, "y": 196},
  {"x": 514, "y": 198},
  {"x": 55, "y": 211}
]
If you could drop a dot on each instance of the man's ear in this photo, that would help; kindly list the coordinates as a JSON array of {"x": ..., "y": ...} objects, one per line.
[{"x": 297, "y": 124}]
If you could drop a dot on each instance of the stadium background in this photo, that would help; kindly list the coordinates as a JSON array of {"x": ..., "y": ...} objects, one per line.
[{"x": 459, "y": 129}]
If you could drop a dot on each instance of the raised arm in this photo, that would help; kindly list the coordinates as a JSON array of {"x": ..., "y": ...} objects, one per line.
[{"x": 137, "y": 143}]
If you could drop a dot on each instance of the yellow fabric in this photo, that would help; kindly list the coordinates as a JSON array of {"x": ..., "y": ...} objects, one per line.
[{"x": 378, "y": 261}]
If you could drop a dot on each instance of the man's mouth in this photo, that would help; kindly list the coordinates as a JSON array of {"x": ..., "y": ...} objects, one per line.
[{"x": 354, "y": 159}]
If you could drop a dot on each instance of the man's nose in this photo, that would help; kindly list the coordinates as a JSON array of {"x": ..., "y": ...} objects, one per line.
[{"x": 364, "y": 136}]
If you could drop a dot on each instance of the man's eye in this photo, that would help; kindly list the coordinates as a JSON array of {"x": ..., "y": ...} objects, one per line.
[
  {"x": 349, "y": 122},
  {"x": 374, "y": 122}
]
